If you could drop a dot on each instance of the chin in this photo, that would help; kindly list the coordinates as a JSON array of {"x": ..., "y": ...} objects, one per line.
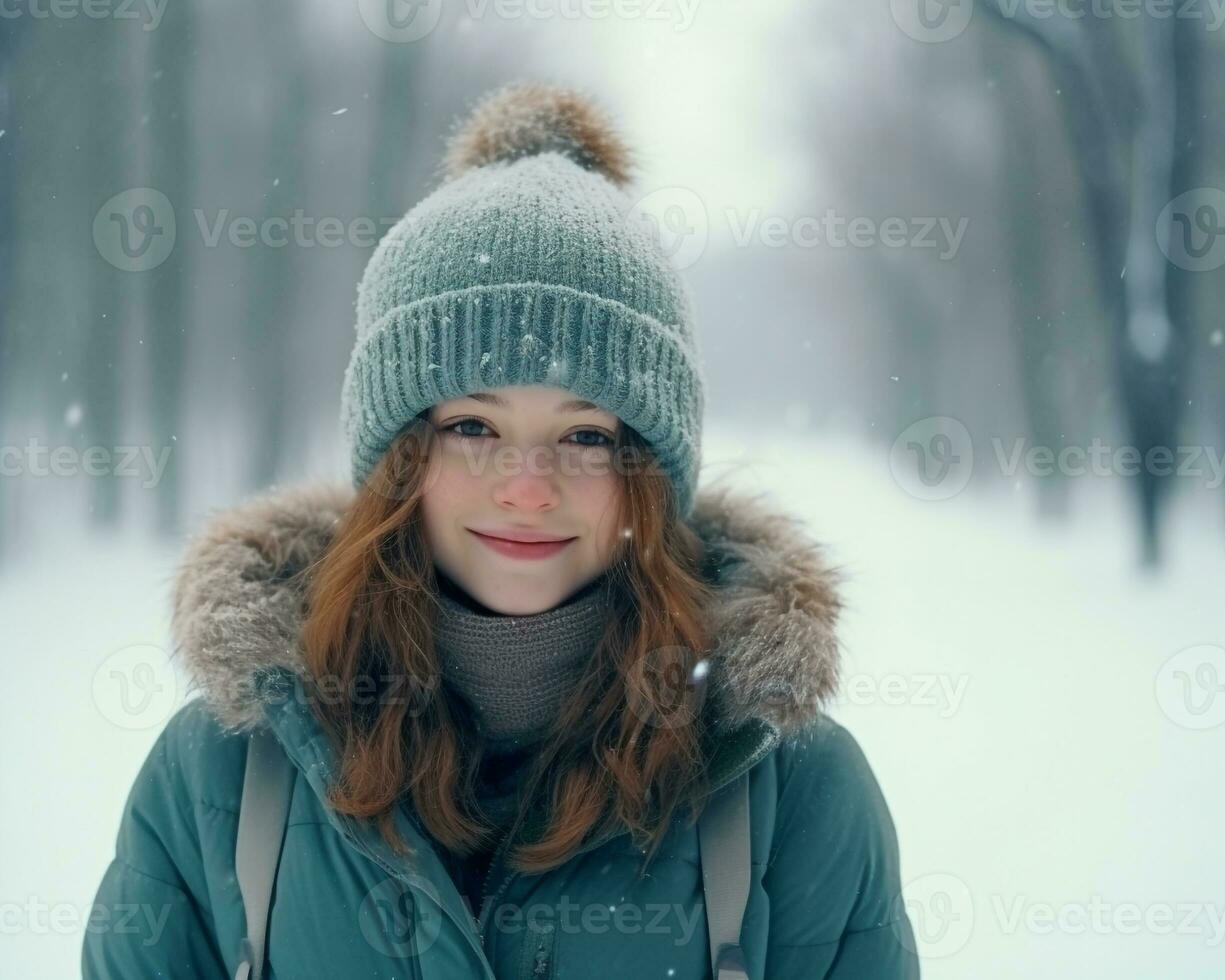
[
  {"x": 508, "y": 603},
  {"x": 511, "y": 599},
  {"x": 527, "y": 610},
  {"x": 502, "y": 600}
]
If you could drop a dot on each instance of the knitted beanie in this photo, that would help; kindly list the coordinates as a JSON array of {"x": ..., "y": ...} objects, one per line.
[{"x": 526, "y": 266}]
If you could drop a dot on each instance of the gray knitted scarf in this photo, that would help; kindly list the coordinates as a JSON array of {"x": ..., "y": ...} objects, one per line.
[{"x": 514, "y": 672}]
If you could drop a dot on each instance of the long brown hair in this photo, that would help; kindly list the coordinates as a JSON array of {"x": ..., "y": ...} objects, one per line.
[{"x": 625, "y": 747}]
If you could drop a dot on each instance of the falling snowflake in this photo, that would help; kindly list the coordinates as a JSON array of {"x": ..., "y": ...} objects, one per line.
[{"x": 483, "y": 258}]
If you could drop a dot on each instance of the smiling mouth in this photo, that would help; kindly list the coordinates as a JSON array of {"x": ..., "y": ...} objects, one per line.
[
  {"x": 501, "y": 537},
  {"x": 522, "y": 549}
]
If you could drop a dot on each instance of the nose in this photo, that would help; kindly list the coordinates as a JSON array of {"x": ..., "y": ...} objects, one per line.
[{"x": 529, "y": 484}]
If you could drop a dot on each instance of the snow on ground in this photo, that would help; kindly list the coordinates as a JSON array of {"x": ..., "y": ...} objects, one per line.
[{"x": 1010, "y": 682}]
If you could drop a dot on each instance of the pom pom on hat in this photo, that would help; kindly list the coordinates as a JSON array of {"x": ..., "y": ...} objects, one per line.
[{"x": 527, "y": 118}]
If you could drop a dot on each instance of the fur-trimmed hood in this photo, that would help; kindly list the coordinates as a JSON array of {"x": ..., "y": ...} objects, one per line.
[{"x": 238, "y": 611}]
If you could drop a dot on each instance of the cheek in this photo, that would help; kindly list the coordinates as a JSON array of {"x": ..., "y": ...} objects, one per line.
[
  {"x": 598, "y": 498},
  {"x": 450, "y": 477},
  {"x": 449, "y": 489}
]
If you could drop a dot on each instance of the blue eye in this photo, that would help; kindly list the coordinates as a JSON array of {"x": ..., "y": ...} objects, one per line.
[
  {"x": 453, "y": 429},
  {"x": 464, "y": 435},
  {"x": 605, "y": 440}
]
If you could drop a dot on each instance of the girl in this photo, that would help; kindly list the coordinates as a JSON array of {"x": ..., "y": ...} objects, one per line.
[{"x": 511, "y": 666}]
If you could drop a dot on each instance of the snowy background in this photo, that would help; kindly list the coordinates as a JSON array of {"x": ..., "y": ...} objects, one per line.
[{"x": 1035, "y": 661}]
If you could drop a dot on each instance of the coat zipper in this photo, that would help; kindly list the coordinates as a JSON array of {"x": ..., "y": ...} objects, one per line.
[
  {"x": 391, "y": 870},
  {"x": 487, "y": 900}
]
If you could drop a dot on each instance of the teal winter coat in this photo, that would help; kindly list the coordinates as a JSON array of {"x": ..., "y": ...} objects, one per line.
[{"x": 824, "y": 900}]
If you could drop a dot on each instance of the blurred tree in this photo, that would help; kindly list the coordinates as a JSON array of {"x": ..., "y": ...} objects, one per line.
[
  {"x": 1124, "y": 101},
  {"x": 1031, "y": 279},
  {"x": 270, "y": 271},
  {"x": 172, "y": 154},
  {"x": 64, "y": 307},
  {"x": 104, "y": 316},
  {"x": 8, "y": 180}
]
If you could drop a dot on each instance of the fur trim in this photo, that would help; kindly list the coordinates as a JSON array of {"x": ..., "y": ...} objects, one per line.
[
  {"x": 777, "y": 654},
  {"x": 237, "y": 613},
  {"x": 526, "y": 118}
]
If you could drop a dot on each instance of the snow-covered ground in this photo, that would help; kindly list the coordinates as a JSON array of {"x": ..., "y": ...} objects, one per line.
[{"x": 1053, "y": 775}]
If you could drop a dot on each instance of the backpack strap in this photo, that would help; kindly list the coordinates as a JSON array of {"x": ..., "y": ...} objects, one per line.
[
  {"x": 723, "y": 842},
  {"x": 266, "y": 788}
]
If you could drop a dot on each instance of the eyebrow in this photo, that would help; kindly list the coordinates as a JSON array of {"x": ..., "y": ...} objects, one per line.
[{"x": 577, "y": 405}]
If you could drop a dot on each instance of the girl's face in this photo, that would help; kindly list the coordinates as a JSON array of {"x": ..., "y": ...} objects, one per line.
[{"x": 527, "y": 460}]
